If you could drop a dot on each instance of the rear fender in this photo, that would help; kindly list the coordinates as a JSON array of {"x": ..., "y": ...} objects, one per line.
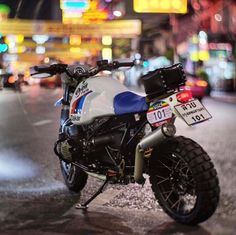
[{"x": 172, "y": 101}]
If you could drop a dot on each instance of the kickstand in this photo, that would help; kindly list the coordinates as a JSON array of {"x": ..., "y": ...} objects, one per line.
[{"x": 100, "y": 190}]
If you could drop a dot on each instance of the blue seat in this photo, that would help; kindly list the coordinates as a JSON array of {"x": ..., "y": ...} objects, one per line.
[{"x": 129, "y": 102}]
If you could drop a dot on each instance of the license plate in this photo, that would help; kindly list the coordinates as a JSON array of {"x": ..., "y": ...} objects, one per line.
[
  {"x": 193, "y": 112},
  {"x": 159, "y": 113}
]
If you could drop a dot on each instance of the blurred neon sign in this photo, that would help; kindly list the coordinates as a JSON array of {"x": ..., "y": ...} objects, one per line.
[
  {"x": 40, "y": 39},
  {"x": 72, "y": 9},
  {"x": 81, "y": 5},
  {"x": 220, "y": 46},
  {"x": 3, "y": 47},
  {"x": 4, "y": 9},
  {"x": 116, "y": 28},
  {"x": 160, "y": 6}
]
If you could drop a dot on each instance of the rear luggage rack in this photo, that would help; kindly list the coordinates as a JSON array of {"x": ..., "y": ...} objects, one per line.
[{"x": 163, "y": 81}]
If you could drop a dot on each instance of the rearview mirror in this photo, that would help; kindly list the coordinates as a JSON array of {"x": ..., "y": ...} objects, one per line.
[
  {"x": 36, "y": 74},
  {"x": 41, "y": 75}
]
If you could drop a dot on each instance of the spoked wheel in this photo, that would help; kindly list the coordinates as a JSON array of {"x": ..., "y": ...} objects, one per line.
[
  {"x": 74, "y": 177},
  {"x": 184, "y": 181}
]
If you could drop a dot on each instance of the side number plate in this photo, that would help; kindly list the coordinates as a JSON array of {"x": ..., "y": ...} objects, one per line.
[
  {"x": 159, "y": 113},
  {"x": 193, "y": 112}
]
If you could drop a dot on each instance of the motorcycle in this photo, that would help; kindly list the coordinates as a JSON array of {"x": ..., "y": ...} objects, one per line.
[{"x": 107, "y": 131}]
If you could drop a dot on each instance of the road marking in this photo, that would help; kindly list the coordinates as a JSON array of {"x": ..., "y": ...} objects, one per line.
[{"x": 43, "y": 122}]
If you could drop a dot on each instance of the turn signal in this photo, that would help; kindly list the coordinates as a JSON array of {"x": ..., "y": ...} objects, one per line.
[{"x": 184, "y": 96}]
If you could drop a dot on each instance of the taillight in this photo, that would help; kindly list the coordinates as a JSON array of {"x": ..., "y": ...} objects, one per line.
[
  {"x": 11, "y": 79},
  {"x": 184, "y": 96},
  {"x": 201, "y": 83}
]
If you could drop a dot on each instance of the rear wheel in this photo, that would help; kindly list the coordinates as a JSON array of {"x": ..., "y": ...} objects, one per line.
[
  {"x": 74, "y": 177},
  {"x": 184, "y": 180}
]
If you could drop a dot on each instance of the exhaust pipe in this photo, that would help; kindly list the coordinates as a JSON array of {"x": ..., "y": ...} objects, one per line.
[{"x": 167, "y": 130}]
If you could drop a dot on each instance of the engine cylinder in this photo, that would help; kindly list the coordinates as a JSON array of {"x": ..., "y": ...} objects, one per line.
[{"x": 104, "y": 139}]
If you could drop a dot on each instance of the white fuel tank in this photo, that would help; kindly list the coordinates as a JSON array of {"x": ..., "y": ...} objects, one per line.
[{"x": 94, "y": 98}]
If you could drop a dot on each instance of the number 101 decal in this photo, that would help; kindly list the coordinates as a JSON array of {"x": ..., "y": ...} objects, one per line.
[{"x": 159, "y": 113}]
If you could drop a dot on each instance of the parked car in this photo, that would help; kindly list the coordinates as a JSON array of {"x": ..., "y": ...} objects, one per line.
[
  {"x": 8, "y": 80},
  {"x": 197, "y": 86}
]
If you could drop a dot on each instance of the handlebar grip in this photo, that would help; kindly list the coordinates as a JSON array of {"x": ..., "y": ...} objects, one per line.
[
  {"x": 40, "y": 71},
  {"x": 126, "y": 64},
  {"x": 47, "y": 70},
  {"x": 42, "y": 68},
  {"x": 117, "y": 64}
]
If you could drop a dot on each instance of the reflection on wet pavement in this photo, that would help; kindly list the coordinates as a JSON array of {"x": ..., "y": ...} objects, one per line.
[
  {"x": 15, "y": 167},
  {"x": 44, "y": 215},
  {"x": 49, "y": 216},
  {"x": 169, "y": 228}
]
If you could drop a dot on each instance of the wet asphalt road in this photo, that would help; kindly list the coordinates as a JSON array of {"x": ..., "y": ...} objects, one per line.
[{"x": 34, "y": 200}]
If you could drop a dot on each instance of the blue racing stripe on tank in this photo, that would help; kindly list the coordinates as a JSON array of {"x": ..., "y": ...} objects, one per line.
[{"x": 80, "y": 102}]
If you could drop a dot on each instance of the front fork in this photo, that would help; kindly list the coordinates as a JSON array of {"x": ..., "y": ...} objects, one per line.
[{"x": 65, "y": 111}]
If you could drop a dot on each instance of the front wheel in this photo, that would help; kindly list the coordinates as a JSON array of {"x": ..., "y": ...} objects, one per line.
[
  {"x": 74, "y": 177},
  {"x": 184, "y": 180}
]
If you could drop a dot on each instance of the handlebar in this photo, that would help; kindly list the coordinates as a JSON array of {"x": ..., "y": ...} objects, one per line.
[
  {"x": 54, "y": 68},
  {"x": 102, "y": 65}
]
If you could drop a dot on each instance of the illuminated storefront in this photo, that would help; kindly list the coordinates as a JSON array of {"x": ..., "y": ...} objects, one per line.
[{"x": 34, "y": 40}]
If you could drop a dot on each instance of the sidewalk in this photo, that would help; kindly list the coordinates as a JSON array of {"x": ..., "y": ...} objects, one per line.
[{"x": 228, "y": 97}]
